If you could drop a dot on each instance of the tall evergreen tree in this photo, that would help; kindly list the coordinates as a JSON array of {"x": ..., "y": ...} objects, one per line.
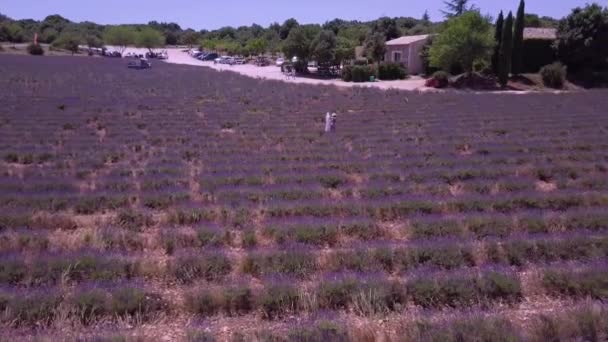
[
  {"x": 506, "y": 51},
  {"x": 518, "y": 40},
  {"x": 498, "y": 38},
  {"x": 426, "y": 18},
  {"x": 455, "y": 8}
]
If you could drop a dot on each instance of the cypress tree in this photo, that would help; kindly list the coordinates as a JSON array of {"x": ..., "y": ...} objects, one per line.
[
  {"x": 518, "y": 40},
  {"x": 506, "y": 51},
  {"x": 498, "y": 38}
]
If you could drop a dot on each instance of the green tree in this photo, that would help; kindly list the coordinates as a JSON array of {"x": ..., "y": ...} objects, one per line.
[
  {"x": 257, "y": 46},
  {"x": 500, "y": 22},
  {"x": 297, "y": 44},
  {"x": 426, "y": 18},
  {"x": 388, "y": 27},
  {"x": 374, "y": 47},
  {"x": 582, "y": 38},
  {"x": 68, "y": 41},
  {"x": 150, "y": 38},
  {"x": 286, "y": 28},
  {"x": 506, "y": 51},
  {"x": 190, "y": 38},
  {"x": 518, "y": 40},
  {"x": 463, "y": 41},
  {"x": 11, "y": 32},
  {"x": 456, "y": 8},
  {"x": 119, "y": 36},
  {"x": 345, "y": 50},
  {"x": 94, "y": 42},
  {"x": 323, "y": 48}
]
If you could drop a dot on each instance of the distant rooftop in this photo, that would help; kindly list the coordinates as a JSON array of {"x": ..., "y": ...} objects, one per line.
[
  {"x": 407, "y": 40},
  {"x": 540, "y": 33}
]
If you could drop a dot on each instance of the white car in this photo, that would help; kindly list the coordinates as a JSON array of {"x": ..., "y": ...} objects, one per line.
[{"x": 280, "y": 61}]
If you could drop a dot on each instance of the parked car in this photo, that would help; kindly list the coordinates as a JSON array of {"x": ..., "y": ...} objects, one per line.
[
  {"x": 262, "y": 61},
  {"x": 209, "y": 57},
  {"x": 223, "y": 60},
  {"x": 280, "y": 61},
  {"x": 238, "y": 60}
]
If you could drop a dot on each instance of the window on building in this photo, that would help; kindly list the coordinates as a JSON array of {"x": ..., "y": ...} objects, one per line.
[{"x": 397, "y": 57}]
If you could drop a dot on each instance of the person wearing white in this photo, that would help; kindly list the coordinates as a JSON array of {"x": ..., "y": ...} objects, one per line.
[{"x": 327, "y": 122}]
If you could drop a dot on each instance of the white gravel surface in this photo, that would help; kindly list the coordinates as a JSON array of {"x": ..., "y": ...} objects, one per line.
[{"x": 274, "y": 73}]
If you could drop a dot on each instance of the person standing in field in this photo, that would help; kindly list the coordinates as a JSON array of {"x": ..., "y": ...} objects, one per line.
[
  {"x": 333, "y": 119},
  {"x": 327, "y": 123}
]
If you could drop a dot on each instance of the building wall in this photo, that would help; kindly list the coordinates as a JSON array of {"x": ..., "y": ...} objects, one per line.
[
  {"x": 415, "y": 67},
  {"x": 411, "y": 52}
]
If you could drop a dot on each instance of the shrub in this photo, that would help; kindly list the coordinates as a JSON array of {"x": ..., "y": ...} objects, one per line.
[
  {"x": 362, "y": 73},
  {"x": 336, "y": 294},
  {"x": 202, "y": 302},
  {"x": 464, "y": 290},
  {"x": 133, "y": 301},
  {"x": 278, "y": 300},
  {"x": 583, "y": 324},
  {"x": 200, "y": 336},
  {"x": 249, "y": 240},
  {"x": 494, "y": 285},
  {"x": 391, "y": 71},
  {"x": 300, "y": 264},
  {"x": 35, "y": 49},
  {"x": 323, "y": 331},
  {"x": 347, "y": 73},
  {"x": 210, "y": 267},
  {"x": 324, "y": 235},
  {"x": 210, "y": 237},
  {"x": 424, "y": 230},
  {"x": 132, "y": 220},
  {"x": 237, "y": 300},
  {"x": 33, "y": 310},
  {"x": 90, "y": 305},
  {"x": 470, "y": 329},
  {"x": 440, "y": 79},
  {"x": 553, "y": 75},
  {"x": 591, "y": 283},
  {"x": 12, "y": 271}
]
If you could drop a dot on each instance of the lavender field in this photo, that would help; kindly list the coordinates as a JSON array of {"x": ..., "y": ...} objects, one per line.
[{"x": 182, "y": 203}]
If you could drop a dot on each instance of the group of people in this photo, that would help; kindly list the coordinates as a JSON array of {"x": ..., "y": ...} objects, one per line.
[{"x": 330, "y": 122}]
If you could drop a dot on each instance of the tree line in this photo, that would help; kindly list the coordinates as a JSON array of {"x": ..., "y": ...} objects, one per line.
[{"x": 469, "y": 41}]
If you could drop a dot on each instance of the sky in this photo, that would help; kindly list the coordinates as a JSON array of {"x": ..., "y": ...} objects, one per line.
[{"x": 213, "y": 14}]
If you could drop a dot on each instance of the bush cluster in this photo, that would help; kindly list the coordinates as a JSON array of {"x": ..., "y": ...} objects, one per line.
[
  {"x": 87, "y": 306},
  {"x": 187, "y": 268},
  {"x": 464, "y": 290},
  {"x": 232, "y": 301},
  {"x": 585, "y": 283},
  {"x": 391, "y": 71},
  {"x": 295, "y": 263},
  {"x": 440, "y": 79},
  {"x": 358, "y": 73},
  {"x": 553, "y": 75},
  {"x": 520, "y": 252},
  {"x": 52, "y": 270},
  {"x": 35, "y": 49},
  {"x": 402, "y": 259}
]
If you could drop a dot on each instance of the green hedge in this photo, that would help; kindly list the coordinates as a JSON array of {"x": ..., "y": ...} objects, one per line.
[
  {"x": 358, "y": 73},
  {"x": 537, "y": 53},
  {"x": 392, "y": 71}
]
